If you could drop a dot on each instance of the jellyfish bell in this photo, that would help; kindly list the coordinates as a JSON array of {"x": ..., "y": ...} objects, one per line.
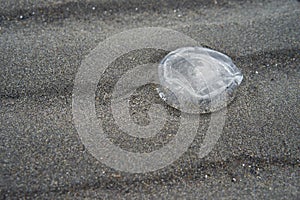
[{"x": 198, "y": 80}]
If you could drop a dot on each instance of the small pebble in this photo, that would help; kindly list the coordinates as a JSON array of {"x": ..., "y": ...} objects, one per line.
[{"x": 116, "y": 175}]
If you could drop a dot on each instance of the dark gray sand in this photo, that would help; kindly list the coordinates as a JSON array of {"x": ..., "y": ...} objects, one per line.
[{"x": 41, "y": 47}]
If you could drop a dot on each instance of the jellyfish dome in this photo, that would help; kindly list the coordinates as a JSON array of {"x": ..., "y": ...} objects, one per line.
[{"x": 198, "y": 80}]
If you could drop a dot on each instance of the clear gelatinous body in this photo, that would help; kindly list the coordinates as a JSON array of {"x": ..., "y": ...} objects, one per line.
[{"x": 198, "y": 80}]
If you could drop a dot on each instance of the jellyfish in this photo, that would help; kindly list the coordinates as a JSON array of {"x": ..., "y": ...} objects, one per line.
[{"x": 198, "y": 80}]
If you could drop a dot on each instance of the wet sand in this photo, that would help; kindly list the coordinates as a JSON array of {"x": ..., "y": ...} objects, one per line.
[{"x": 42, "y": 45}]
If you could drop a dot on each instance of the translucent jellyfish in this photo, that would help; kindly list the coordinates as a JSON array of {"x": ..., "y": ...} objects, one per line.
[{"x": 198, "y": 80}]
